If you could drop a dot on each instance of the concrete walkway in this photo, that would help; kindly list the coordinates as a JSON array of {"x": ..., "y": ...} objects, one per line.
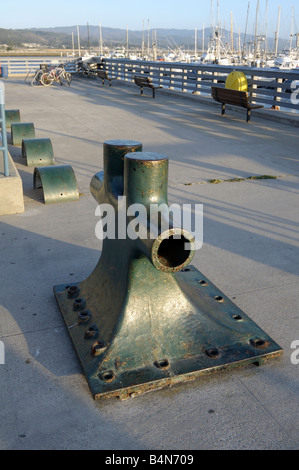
[{"x": 250, "y": 251}]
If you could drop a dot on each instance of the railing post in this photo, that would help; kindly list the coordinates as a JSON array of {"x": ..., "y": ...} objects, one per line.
[
  {"x": 278, "y": 90},
  {"x": 253, "y": 87},
  {"x": 198, "y": 82},
  {"x": 3, "y": 130}
]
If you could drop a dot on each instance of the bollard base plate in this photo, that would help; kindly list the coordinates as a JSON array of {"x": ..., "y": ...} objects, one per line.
[{"x": 177, "y": 327}]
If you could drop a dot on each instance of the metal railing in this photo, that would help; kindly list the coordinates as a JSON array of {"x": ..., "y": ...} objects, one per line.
[
  {"x": 267, "y": 87},
  {"x": 21, "y": 66},
  {"x": 3, "y": 147}
]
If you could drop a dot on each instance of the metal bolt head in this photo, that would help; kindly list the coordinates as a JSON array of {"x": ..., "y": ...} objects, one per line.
[
  {"x": 97, "y": 348},
  {"x": 107, "y": 375},
  {"x": 91, "y": 332},
  {"x": 73, "y": 291},
  {"x": 84, "y": 316},
  {"x": 79, "y": 304}
]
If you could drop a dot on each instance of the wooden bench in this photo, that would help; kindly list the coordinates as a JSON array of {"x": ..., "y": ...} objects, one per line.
[
  {"x": 235, "y": 98},
  {"x": 144, "y": 81},
  {"x": 103, "y": 74}
]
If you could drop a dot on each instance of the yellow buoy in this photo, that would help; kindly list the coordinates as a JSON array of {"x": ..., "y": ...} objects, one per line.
[{"x": 236, "y": 81}]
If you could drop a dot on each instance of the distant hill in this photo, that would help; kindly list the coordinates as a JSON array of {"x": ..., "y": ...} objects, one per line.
[{"x": 59, "y": 37}]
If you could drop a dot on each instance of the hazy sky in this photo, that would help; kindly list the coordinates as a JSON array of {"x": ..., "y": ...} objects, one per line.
[{"x": 159, "y": 13}]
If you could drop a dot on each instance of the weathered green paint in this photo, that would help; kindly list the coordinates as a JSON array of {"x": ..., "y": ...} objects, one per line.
[
  {"x": 38, "y": 152},
  {"x": 58, "y": 183},
  {"x": 12, "y": 116},
  {"x": 20, "y": 131},
  {"x": 145, "y": 318}
]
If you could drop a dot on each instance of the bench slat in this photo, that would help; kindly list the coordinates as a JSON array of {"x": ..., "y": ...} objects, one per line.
[
  {"x": 144, "y": 81},
  {"x": 234, "y": 98}
]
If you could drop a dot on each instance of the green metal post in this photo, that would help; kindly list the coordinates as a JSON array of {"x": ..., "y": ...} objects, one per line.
[
  {"x": 145, "y": 318},
  {"x": 20, "y": 131},
  {"x": 12, "y": 116},
  {"x": 58, "y": 183},
  {"x": 38, "y": 152}
]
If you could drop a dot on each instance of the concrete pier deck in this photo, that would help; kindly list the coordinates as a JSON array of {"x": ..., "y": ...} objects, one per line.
[{"x": 250, "y": 251}]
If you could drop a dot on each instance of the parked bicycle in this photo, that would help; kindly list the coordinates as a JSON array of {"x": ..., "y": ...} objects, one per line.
[
  {"x": 34, "y": 76},
  {"x": 57, "y": 74}
]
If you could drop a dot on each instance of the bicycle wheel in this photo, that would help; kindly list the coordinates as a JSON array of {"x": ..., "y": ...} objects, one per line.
[
  {"x": 47, "y": 79},
  {"x": 66, "y": 78},
  {"x": 37, "y": 78}
]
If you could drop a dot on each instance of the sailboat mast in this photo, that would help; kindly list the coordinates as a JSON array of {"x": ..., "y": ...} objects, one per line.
[
  {"x": 239, "y": 44},
  {"x": 148, "y": 39},
  {"x": 142, "y": 46},
  {"x": 218, "y": 34},
  {"x": 127, "y": 42},
  {"x": 266, "y": 31},
  {"x": 255, "y": 34},
  {"x": 246, "y": 28},
  {"x": 79, "y": 50},
  {"x": 101, "y": 41},
  {"x": 211, "y": 27},
  {"x": 231, "y": 32},
  {"x": 154, "y": 39},
  {"x": 73, "y": 44},
  {"x": 291, "y": 38},
  {"x": 277, "y": 32},
  {"x": 88, "y": 40}
]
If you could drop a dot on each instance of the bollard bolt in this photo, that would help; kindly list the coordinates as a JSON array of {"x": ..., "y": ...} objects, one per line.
[
  {"x": 98, "y": 348},
  {"x": 73, "y": 291}
]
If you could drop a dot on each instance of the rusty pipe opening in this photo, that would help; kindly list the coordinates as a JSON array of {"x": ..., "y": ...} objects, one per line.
[{"x": 173, "y": 250}]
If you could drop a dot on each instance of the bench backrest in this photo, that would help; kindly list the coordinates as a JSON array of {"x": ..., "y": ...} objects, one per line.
[
  {"x": 103, "y": 74},
  {"x": 142, "y": 81},
  {"x": 234, "y": 97}
]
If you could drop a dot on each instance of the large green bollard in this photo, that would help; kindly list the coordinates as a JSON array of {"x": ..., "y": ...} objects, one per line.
[
  {"x": 38, "y": 152},
  {"x": 12, "y": 116},
  {"x": 20, "y": 131},
  {"x": 145, "y": 318},
  {"x": 58, "y": 183}
]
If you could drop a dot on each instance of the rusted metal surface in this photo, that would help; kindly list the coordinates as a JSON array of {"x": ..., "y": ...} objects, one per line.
[
  {"x": 38, "y": 152},
  {"x": 145, "y": 318},
  {"x": 20, "y": 131},
  {"x": 58, "y": 183},
  {"x": 12, "y": 116}
]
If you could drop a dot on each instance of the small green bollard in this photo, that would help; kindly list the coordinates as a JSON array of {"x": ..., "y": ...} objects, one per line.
[
  {"x": 38, "y": 152},
  {"x": 20, "y": 131},
  {"x": 144, "y": 318},
  {"x": 58, "y": 183},
  {"x": 12, "y": 116}
]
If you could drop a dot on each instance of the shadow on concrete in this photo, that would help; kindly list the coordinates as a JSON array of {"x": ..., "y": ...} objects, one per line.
[{"x": 50, "y": 406}]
